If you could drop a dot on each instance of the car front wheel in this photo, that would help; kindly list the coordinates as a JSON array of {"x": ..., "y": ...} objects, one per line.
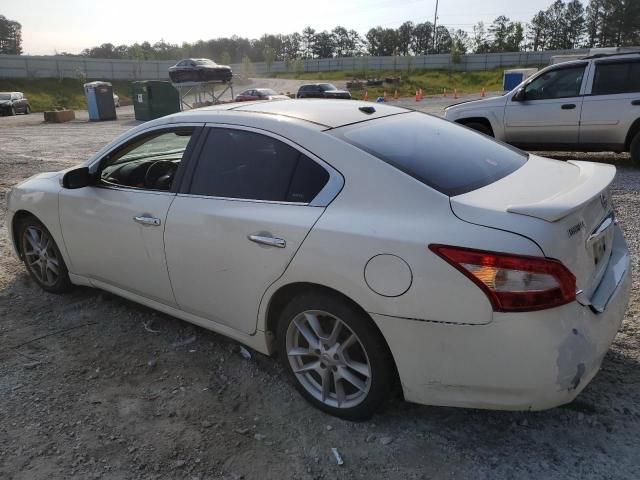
[
  {"x": 480, "y": 127},
  {"x": 635, "y": 149},
  {"x": 335, "y": 356},
  {"x": 42, "y": 257}
]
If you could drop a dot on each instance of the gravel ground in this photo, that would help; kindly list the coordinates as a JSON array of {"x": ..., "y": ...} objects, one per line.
[{"x": 94, "y": 386}]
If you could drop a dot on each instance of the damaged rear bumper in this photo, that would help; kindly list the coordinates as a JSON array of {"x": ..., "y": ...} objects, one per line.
[{"x": 519, "y": 361}]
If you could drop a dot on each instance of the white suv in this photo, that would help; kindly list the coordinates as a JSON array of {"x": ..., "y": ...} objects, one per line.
[{"x": 592, "y": 104}]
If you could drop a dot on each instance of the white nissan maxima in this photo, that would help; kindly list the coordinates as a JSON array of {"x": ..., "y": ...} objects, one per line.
[{"x": 369, "y": 246}]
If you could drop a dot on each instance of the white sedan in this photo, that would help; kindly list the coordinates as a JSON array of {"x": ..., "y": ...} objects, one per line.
[{"x": 374, "y": 248}]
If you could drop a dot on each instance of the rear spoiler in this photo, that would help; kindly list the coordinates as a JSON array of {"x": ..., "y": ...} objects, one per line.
[{"x": 593, "y": 179}]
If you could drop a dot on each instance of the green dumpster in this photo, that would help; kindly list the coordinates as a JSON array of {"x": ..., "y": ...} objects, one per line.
[{"x": 154, "y": 99}]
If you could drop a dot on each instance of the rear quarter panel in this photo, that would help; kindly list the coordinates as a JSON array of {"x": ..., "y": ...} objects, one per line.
[{"x": 384, "y": 211}]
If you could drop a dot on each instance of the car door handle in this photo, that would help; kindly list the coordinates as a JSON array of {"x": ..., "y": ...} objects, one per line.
[
  {"x": 268, "y": 240},
  {"x": 568, "y": 106},
  {"x": 146, "y": 220},
  {"x": 635, "y": 102}
]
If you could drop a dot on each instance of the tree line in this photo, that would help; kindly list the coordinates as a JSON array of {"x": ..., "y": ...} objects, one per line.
[
  {"x": 563, "y": 25},
  {"x": 10, "y": 36}
]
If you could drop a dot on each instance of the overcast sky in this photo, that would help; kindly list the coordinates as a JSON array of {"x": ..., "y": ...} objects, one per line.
[{"x": 71, "y": 25}]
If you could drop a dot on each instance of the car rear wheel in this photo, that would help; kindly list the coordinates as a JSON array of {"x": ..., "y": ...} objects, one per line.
[
  {"x": 480, "y": 127},
  {"x": 635, "y": 149},
  {"x": 42, "y": 257},
  {"x": 335, "y": 356}
]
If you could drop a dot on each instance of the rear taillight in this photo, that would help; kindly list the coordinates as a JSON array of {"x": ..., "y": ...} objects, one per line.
[{"x": 513, "y": 283}]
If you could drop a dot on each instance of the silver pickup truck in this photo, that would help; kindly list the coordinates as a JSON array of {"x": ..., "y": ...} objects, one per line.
[{"x": 592, "y": 104}]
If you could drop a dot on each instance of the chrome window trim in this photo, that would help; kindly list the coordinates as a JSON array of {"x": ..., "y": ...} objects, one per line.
[
  {"x": 246, "y": 200},
  {"x": 109, "y": 186},
  {"x": 324, "y": 197}
]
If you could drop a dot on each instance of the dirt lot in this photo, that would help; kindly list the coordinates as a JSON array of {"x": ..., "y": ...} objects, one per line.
[{"x": 93, "y": 386}]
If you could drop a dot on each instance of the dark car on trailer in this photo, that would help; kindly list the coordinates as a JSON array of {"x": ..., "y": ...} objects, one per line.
[
  {"x": 13, "y": 102},
  {"x": 322, "y": 90},
  {"x": 199, "y": 70}
]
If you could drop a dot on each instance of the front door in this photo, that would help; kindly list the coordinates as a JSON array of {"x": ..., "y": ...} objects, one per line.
[
  {"x": 549, "y": 112},
  {"x": 233, "y": 232},
  {"x": 113, "y": 230}
]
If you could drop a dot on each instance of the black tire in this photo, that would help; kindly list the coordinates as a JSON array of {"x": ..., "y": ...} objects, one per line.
[
  {"x": 61, "y": 283},
  {"x": 27, "y": 110},
  {"x": 377, "y": 357},
  {"x": 634, "y": 149},
  {"x": 12, "y": 111},
  {"x": 480, "y": 127}
]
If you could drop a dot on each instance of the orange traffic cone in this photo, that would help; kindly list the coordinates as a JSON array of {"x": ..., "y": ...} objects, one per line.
[
  {"x": 455, "y": 93},
  {"x": 445, "y": 92},
  {"x": 482, "y": 93},
  {"x": 417, "y": 96},
  {"x": 366, "y": 96},
  {"x": 421, "y": 96},
  {"x": 385, "y": 96},
  {"x": 395, "y": 94}
]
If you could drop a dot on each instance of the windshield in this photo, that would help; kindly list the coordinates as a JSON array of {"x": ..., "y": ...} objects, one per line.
[
  {"x": 5, "y": 96},
  {"x": 266, "y": 91},
  {"x": 204, "y": 61},
  {"x": 327, "y": 86},
  {"x": 447, "y": 157}
]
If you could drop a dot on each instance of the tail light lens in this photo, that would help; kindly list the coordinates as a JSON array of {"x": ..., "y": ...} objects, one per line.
[{"x": 513, "y": 283}]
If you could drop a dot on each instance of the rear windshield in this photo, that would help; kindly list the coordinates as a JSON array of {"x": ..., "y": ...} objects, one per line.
[
  {"x": 445, "y": 156},
  {"x": 325, "y": 87}
]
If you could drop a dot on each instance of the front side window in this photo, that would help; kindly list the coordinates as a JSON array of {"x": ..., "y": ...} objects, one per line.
[
  {"x": 251, "y": 166},
  {"x": 558, "y": 83},
  {"x": 619, "y": 77},
  {"x": 149, "y": 162},
  {"x": 447, "y": 157}
]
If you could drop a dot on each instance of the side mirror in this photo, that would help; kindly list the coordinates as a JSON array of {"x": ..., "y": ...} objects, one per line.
[
  {"x": 520, "y": 95},
  {"x": 77, "y": 178}
]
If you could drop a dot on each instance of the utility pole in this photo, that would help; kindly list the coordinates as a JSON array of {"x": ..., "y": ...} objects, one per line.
[{"x": 435, "y": 36}]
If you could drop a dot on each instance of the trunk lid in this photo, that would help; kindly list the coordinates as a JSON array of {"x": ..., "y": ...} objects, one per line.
[{"x": 565, "y": 207}]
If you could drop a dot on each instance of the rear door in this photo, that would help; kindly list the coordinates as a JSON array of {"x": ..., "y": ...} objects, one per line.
[
  {"x": 612, "y": 103},
  {"x": 549, "y": 114},
  {"x": 245, "y": 210}
]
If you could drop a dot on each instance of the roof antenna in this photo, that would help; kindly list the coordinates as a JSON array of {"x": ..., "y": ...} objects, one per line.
[{"x": 367, "y": 110}]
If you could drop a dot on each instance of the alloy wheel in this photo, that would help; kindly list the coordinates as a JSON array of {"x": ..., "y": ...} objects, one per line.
[
  {"x": 41, "y": 256},
  {"x": 328, "y": 359}
]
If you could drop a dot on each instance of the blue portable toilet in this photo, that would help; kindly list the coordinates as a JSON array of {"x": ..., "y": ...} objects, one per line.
[
  {"x": 100, "y": 103},
  {"x": 514, "y": 77}
]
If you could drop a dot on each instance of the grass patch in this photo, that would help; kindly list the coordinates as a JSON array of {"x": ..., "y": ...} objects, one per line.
[
  {"x": 432, "y": 82},
  {"x": 45, "y": 93}
]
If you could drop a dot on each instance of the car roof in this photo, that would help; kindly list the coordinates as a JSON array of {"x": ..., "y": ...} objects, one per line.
[
  {"x": 329, "y": 113},
  {"x": 323, "y": 112}
]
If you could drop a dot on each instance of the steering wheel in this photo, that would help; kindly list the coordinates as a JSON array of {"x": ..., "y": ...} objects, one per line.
[{"x": 159, "y": 175}]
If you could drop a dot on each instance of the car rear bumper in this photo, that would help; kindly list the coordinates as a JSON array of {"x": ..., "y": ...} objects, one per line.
[{"x": 519, "y": 361}]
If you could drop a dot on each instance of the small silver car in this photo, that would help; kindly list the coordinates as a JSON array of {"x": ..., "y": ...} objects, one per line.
[{"x": 592, "y": 104}]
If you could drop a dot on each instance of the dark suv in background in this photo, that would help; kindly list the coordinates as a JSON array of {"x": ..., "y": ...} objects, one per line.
[
  {"x": 322, "y": 90},
  {"x": 13, "y": 102}
]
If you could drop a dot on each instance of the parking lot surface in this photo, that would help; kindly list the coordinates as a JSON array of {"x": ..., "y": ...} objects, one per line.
[{"x": 94, "y": 386}]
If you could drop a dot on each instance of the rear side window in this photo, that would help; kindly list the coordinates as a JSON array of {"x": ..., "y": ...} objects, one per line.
[
  {"x": 447, "y": 157},
  {"x": 618, "y": 77},
  {"x": 251, "y": 166}
]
